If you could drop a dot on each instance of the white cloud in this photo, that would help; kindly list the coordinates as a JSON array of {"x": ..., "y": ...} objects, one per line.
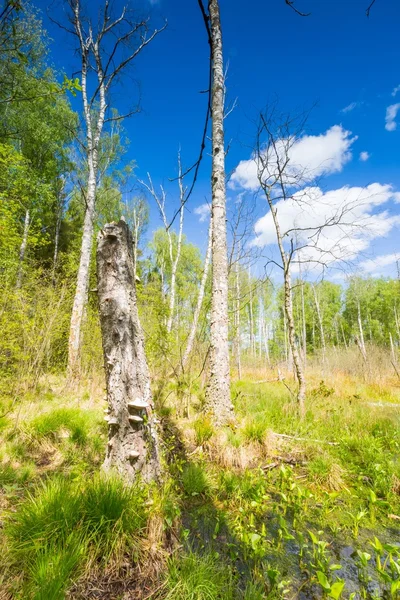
[
  {"x": 203, "y": 212},
  {"x": 391, "y": 113},
  {"x": 364, "y": 156},
  {"x": 395, "y": 90},
  {"x": 352, "y": 214},
  {"x": 350, "y": 107},
  {"x": 310, "y": 155},
  {"x": 385, "y": 260}
]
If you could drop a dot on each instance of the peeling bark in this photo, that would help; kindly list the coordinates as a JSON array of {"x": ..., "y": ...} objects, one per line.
[
  {"x": 133, "y": 445},
  {"x": 218, "y": 400}
]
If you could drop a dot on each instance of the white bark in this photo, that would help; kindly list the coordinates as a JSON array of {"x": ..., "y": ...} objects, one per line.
[
  {"x": 200, "y": 298},
  {"x": 133, "y": 445},
  {"x": 22, "y": 250},
  {"x": 320, "y": 323},
  {"x": 94, "y": 110},
  {"x": 56, "y": 245},
  {"x": 174, "y": 260},
  {"x": 288, "y": 308},
  {"x": 218, "y": 399},
  {"x": 360, "y": 339},
  {"x": 251, "y": 316},
  {"x": 93, "y": 135},
  {"x": 238, "y": 333}
]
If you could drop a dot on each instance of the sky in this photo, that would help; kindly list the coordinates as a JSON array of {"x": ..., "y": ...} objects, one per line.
[{"x": 337, "y": 63}]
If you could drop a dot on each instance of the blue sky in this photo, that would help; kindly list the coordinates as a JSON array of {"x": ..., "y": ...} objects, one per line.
[{"x": 345, "y": 64}]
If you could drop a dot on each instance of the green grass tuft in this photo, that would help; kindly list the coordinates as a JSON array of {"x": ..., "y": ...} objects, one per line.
[
  {"x": 75, "y": 421},
  {"x": 204, "y": 430},
  {"x": 65, "y": 525},
  {"x": 195, "y": 480},
  {"x": 199, "y": 577}
]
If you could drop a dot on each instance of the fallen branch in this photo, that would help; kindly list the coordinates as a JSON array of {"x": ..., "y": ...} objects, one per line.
[
  {"x": 290, "y": 460},
  {"x": 301, "y": 439}
]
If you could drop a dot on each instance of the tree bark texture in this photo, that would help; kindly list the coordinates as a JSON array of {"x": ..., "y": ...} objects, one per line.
[
  {"x": 218, "y": 399},
  {"x": 133, "y": 444}
]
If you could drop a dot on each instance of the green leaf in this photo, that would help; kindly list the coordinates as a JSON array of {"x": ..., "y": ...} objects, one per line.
[
  {"x": 323, "y": 581},
  {"x": 337, "y": 589}
]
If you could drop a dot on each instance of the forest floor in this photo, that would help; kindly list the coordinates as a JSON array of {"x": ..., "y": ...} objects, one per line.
[{"x": 271, "y": 507}]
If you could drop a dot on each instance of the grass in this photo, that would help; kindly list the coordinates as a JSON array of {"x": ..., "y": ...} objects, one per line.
[
  {"x": 194, "y": 480},
  {"x": 199, "y": 577},
  {"x": 235, "y": 515},
  {"x": 65, "y": 525},
  {"x": 72, "y": 421}
]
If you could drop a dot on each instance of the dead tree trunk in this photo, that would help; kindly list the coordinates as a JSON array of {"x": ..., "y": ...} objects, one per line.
[
  {"x": 133, "y": 445},
  {"x": 218, "y": 399},
  {"x": 22, "y": 250}
]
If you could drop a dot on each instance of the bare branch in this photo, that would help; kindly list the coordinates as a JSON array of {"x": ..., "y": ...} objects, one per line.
[{"x": 301, "y": 14}]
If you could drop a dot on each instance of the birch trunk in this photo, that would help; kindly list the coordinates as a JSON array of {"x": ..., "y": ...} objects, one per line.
[
  {"x": 304, "y": 328},
  {"x": 82, "y": 283},
  {"x": 218, "y": 399},
  {"x": 56, "y": 245},
  {"x": 320, "y": 323},
  {"x": 22, "y": 250},
  {"x": 174, "y": 268},
  {"x": 133, "y": 445},
  {"x": 288, "y": 306},
  {"x": 200, "y": 298},
  {"x": 251, "y": 316},
  {"x": 301, "y": 394},
  {"x": 237, "y": 322},
  {"x": 93, "y": 135},
  {"x": 360, "y": 339}
]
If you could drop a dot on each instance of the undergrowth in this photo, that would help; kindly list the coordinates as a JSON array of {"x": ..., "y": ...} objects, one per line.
[{"x": 243, "y": 513}]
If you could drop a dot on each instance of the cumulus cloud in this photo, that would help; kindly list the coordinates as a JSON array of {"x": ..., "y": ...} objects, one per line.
[
  {"x": 310, "y": 155},
  {"x": 391, "y": 113},
  {"x": 364, "y": 156},
  {"x": 333, "y": 226},
  {"x": 385, "y": 260},
  {"x": 203, "y": 212},
  {"x": 395, "y": 90}
]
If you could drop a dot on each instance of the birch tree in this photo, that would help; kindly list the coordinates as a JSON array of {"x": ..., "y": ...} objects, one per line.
[
  {"x": 200, "y": 299},
  {"x": 174, "y": 254},
  {"x": 106, "y": 51},
  {"x": 218, "y": 400}
]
